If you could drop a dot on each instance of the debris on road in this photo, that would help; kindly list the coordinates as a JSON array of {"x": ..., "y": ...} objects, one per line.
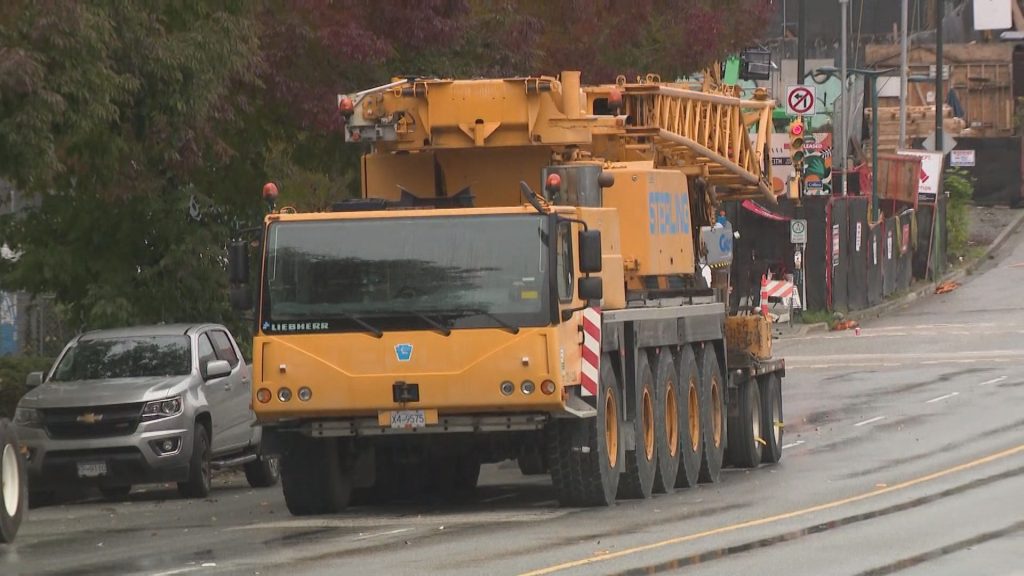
[
  {"x": 845, "y": 325},
  {"x": 946, "y": 287}
]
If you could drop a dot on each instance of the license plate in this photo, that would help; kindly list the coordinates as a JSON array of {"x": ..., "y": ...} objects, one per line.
[
  {"x": 407, "y": 418},
  {"x": 92, "y": 469}
]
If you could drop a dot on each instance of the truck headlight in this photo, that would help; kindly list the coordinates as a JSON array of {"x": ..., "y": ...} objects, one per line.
[
  {"x": 161, "y": 409},
  {"x": 28, "y": 417}
]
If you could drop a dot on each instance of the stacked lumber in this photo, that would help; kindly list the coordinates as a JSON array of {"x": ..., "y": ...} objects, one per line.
[{"x": 920, "y": 124}]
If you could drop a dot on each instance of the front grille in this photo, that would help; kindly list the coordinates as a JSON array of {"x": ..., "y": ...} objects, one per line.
[{"x": 92, "y": 421}]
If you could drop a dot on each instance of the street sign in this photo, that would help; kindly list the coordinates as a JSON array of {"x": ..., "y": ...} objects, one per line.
[
  {"x": 948, "y": 143},
  {"x": 800, "y": 101},
  {"x": 962, "y": 158},
  {"x": 798, "y": 231}
]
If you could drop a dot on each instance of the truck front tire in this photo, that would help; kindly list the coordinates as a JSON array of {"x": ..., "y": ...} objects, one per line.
[
  {"x": 263, "y": 472},
  {"x": 199, "y": 469},
  {"x": 586, "y": 456}
]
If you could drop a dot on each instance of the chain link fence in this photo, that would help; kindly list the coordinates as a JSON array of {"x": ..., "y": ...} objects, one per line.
[{"x": 31, "y": 326}]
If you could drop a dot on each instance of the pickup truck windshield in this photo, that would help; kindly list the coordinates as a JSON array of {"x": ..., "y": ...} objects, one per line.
[
  {"x": 130, "y": 357},
  {"x": 419, "y": 273}
]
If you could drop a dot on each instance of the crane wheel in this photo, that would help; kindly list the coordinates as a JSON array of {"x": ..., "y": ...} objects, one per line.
[
  {"x": 745, "y": 442},
  {"x": 691, "y": 437},
  {"x": 771, "y": 417},
  {"x": 642, "y": 462},
  {"x": 666, "y": 421},
  {"x": 713, "y": 414}
]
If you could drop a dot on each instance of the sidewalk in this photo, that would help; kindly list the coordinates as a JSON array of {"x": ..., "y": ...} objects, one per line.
[{"x": 990, "y": 227}]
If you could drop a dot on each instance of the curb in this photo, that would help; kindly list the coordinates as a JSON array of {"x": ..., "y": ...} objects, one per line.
[{"x": 906, "y": 299}]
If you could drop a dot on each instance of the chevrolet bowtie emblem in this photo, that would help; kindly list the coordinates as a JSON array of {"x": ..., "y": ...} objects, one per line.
[{"x": 90, "y": 418}]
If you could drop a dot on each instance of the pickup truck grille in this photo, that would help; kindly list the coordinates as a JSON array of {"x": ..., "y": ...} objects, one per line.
[{"x": 92, "y": 421}]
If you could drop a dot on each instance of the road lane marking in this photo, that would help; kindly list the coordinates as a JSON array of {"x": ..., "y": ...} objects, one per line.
[
  {"x": 993, "y": 381},
  {"x": 870, "y": 421},
  {"x": 778, "y": 517},
  {"x": 175, "y": 571},
  {"x": 793, "y": 444},
  {"x": 388, "y": 533},
  {"x": 943, "y": 397}
]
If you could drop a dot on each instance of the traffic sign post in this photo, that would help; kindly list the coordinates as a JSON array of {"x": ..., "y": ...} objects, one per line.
[
  {"x": 800, "y": 100},
  {"x": 798, "y": 231}
]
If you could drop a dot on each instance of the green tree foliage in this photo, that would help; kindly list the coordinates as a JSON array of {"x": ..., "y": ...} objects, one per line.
[
  {"x": 960, "y": 186},
  {"x": 110, "y": 113},
  {"x": 143, "y": 131}
]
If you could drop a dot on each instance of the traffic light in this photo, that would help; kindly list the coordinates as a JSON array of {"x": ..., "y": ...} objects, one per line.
[{"x": 796, "y": 142}]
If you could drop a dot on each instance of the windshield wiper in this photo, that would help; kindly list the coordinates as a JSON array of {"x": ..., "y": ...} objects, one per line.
[
  {"x": 510, "y": 327},
  {"x": 441, "y": 328},
  {"x": 377, "y": 332}
]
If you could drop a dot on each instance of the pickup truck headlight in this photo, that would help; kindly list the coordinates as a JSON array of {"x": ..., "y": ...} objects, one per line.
[
  {"x": 161, "y": 409},
  {"x": 28, "y": 417}
]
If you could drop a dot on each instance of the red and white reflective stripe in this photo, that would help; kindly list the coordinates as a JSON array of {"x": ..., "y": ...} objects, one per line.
[
  {"x": 764, "y": 296},
  {"x": 591, "y": 351},
  {"x": 778, "y": 289}
]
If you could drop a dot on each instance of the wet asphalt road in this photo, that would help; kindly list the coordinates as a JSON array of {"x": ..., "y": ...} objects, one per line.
[{"x": 904, "y": 454}]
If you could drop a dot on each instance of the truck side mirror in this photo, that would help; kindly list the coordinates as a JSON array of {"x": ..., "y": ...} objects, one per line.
[
  {"x": 591, "y": 288},
  {"x": 590, "y": 251},
  {"x": 34, "y": 379},
  {"x": 238, "y": 262}
]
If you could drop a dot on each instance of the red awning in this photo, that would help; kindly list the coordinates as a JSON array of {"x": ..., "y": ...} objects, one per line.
[{"x": 764, "y": 212}]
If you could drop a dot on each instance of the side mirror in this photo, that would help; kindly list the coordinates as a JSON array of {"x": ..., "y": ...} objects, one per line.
[
  {"x": 241, "y": 297},
  {"x": 591, "y": 289},
  {"x": 34, "y": 379},
  {"x": 217, "y": 369},
  {"x": 590, "y": 251},
  {"x": 238, "y": 262}
]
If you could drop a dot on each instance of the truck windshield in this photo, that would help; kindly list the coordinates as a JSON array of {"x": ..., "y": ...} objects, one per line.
[
  {"x": 406, "y": 274},
  {"x": 130, "y": 357}
]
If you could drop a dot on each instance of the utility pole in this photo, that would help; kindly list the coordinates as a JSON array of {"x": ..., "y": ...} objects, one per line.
[
  {"x": 939, "y": 259},
  {"x": 801, "y": 42},
  {"x": 844, "y": 138},
  {"x": 903, "y": 74}
]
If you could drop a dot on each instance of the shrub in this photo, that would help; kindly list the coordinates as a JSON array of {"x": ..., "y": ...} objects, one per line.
[{"x": 13, "y": 371}]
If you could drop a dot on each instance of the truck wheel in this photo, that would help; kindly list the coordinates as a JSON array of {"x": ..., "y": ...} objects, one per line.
[
  {"x": 199, "y": 471},
  {"x": 713, "y": 415},
  {"x": 586, "y": 456},
  {"x": 115, "y": 492},
  {"x": 771, "y": 418},
  {"x": 312, "y": 478},
  {"x": 745, "y": 442},
  {"x": 263, "y": 472},
  {"x": 666, "y": 422},
  {"x": 13, "y": 483},
  {"x": 690, "y": 436},
  {"x": 642, "y": 461}
]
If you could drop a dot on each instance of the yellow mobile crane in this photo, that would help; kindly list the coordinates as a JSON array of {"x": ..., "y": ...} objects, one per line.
[{"x": 521, "y": 278}]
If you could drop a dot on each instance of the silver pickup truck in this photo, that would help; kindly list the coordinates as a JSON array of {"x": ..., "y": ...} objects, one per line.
[{"x": 161, "y": 403}]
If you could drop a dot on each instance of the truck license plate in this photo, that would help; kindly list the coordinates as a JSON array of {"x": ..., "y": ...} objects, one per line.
[
  {"x": 407, "y": 418},
  {"x": 92, "y": 469}
]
